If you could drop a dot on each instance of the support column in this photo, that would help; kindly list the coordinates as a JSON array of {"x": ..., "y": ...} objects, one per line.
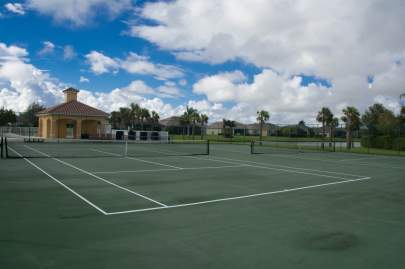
[
  {"x": 78, "y": 129},
  {"x": 54, "y": 128},
  {"x": 40, "y": 128}
]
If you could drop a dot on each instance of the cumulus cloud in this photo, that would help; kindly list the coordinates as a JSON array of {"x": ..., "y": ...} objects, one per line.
[
  {"x": 21, "y": 83},
  {"x": 78, "y": 12},
  {"x": 137, "y": 64},
  {"x": 12, "y": 52},
  {"x": 100, "y": 64},
  {"x": 314, "y": 36},
  {"x": 286, "y": 97},
  {"x": 133, "y": 64},
  {"x": 341, "y": 43},
  {"x": 16, "y": 8}
]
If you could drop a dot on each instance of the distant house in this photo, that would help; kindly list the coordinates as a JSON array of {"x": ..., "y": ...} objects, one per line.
[
  {"x": 71, "y": 119},
  {"x": 215, "y": 128},
  {"x": 173, "y": 125}
]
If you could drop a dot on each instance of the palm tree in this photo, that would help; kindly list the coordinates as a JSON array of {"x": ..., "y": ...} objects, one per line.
[
  {"x": 155, "y": 119},
  {"x": 332, "y": 125},
  {"x": 262, "y": 117},
  {"x": 115, "y": 119},
  {"x": 324, "y": 116},
  {"x": 144, "y": 114},
  {"x": 230, "y": 124},
  {"x": 203, "y": 121},
  {"x": 188, "y": 116},
  {"x": 195, "y": 118},
  {"x": 135, "y": 114},
  {"x": 125, "y": 117},
  {"x": 351, "y": 119}
]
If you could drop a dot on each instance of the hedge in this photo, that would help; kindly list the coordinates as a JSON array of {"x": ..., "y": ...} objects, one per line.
[{"x": 383, "y": 142}]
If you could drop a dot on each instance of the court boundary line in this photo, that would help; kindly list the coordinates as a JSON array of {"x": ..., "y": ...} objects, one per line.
[
  {"x": 237, "y": 197},
  {"x": 293, "y": 167},
  {"x": 137, "y": 159},
  {"x": 272, "y": 168},
  {"x": 163, "y": 206},
  {"x": 339, "y": 161},
  {"x": 62, "y": 184},
  {"x": 167, "y": 169},
  {"x": 99, "y": 178}
]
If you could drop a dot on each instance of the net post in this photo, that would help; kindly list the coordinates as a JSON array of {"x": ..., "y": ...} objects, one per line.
[
  {"x": 208, "y": 147},
  {"x": 6, "y": 146},
  {"x": 126, "y": 147},
  {"x": 252, "y": 144},
  {"x": 1, "y": 148}
]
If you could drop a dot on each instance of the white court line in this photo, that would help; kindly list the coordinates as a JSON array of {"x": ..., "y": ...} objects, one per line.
[
  {"x": 168, "y": 169},
  {"x": 338, "y": 161},
  {"x": 60, "y": 183},
  {"x": 237, "y": 197},
  {"x": 272, "y": 168},
  {"x": 137, "y": 159},
  {"x": 297, "y": 168},
  {"x": 359, "y": 159},
  {"x": 97, "y": 177}
]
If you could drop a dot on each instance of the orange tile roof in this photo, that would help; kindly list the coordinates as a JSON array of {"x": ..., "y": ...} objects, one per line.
[{"x": 73, "y": 108}]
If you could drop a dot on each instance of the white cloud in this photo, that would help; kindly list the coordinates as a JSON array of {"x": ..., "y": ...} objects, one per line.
[
  {"x": 83, "y": 79},
  {"x": 11, "y": 52},
  {"x": 16, "y": 8},
  {"x": 22, "y": 83},
  {"x": 137, "y": 64},
  {"x": 342, "y": 43},
  {"x": 315, "y": 36},
  {"x": 48, "y": 48},
  {"x": 284, "y": 96},
  {"x": 134, "y": 64},
  {"x": 169, "y": 90},
  {"x": 68, "y": 52},
  {"x": 99, "y": 63},
  {"x": 79, "y": 12}
]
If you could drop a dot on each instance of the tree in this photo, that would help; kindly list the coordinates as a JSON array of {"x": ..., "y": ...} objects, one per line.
[
  {"x": 7, "y": 116},
  {"x": 125, "y": 115},
  {"x": 334, "y": 123},
  {"x": 195, "y": 117},
  {"x": 228, "y": 126},
  {"x": 28, "y": 117},
  {"x": 351, "y": 118},
  {"x": 135, "y": 114},
  {"x": 203, "y": 121},
  {"x": 324, "y": 116},
  {"x": 262, "y": 117},
  {"x": 155, "y": 119},
  {"x": 187, "y": 117},
  {"x": 144, "y": 114},
  {"x": 115, "y": 119}
]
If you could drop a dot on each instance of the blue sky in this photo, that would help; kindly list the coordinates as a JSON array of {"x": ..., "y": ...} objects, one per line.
[{"x": 225, "y": 58}]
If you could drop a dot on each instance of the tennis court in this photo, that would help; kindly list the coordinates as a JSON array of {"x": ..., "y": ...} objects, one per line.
[{"x": 225, "y": 209}]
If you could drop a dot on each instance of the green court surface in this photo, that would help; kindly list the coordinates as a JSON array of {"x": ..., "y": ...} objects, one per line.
[{"x": 229, "y": 209}]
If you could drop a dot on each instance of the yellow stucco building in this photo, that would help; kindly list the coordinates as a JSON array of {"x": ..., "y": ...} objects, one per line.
[{"x": 72, "y": 119}]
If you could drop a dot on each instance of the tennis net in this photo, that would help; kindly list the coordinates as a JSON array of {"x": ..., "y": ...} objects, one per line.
[
  {"x": 290, "y": 147},
  {"x": 83, "y": 148}
]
